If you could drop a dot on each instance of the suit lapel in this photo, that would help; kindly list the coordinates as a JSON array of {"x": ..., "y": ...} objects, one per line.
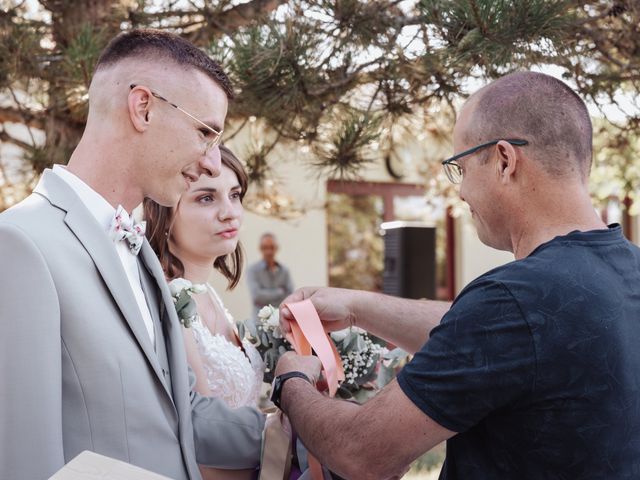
[
  {"x": 174, "y": 342},
  {"x": 170, "y": 325},
  {"x": 98, "y": 245},
  {"x": 156, "y": 306}
]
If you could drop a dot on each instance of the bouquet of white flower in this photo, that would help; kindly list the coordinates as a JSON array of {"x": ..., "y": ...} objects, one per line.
[
  {"x": 182, "y": 292},
  {"x": 360, "y": 360}
]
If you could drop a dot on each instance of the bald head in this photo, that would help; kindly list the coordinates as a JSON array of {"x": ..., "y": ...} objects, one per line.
[{"x": 538, "y": 108}]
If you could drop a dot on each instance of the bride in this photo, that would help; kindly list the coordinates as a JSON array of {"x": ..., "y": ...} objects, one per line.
[{"x": 192, "y": 240}]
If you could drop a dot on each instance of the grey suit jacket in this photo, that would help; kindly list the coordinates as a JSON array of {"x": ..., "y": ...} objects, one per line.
[{"x": 78, "y": 370}]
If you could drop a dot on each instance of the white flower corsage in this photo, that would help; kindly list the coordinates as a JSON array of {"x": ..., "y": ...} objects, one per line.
[{"x": 182, "y": 291}]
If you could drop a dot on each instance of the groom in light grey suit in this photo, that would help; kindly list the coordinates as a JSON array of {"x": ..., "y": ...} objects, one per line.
[{"x": 91, "y": 350}]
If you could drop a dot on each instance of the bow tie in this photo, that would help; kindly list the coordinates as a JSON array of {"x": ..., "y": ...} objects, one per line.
[{"x": 123, "y": 228}]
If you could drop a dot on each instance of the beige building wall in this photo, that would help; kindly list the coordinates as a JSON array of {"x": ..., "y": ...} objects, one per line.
[{"x": 473, "y": 258}]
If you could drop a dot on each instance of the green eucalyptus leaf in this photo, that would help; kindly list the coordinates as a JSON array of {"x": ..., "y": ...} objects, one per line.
[
  {"x": 189, "y": 310},
  {"x": 182, "y": 300}
]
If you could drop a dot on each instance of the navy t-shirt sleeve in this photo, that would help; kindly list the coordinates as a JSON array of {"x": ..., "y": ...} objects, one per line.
[{"x": 480, "y": 358}]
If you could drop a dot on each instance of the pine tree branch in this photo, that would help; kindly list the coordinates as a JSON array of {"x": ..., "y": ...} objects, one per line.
[
  {"x": 22, "y": 109},
  {"x": 603, "y": 45},
  {"x": 231, "y": 136},
  {"x": 355, "y": 77},
  {"x": 5, "y": 137},
  {"x": 15, "y": 115},
  {"x": 3, "y": 175},
  {"x": 408, "y": 21},
  {"x": 614, "y": 10},
  {"x": 147, "y": 18},
  {"x": 245, "y": 13},
  {"x": 210, "y": 22},
  {"x": 478, "y": 18}
]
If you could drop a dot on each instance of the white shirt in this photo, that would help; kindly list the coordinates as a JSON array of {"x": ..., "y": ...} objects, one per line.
[{"x": 103, "y": 212}]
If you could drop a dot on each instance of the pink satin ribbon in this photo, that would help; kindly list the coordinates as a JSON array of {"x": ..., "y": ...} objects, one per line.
[{"x": 307, "y": 335}]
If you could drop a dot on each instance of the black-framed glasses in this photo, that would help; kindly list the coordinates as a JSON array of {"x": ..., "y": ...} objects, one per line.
[
  {"x": 453, "y": 169},
  {"x": 217, "y": 135}
]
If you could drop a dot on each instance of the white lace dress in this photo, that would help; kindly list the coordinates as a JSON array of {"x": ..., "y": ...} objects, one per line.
[{"x": 233, "y": 375}]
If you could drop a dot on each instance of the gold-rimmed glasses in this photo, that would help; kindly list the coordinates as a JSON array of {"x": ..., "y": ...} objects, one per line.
[{"x": 216, "y": 136}]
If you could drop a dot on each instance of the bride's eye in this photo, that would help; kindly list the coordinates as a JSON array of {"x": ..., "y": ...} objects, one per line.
[{"x": 205, "y": 199}]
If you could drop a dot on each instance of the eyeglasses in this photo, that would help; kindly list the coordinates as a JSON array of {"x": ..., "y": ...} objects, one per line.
[
  {"x": 453, "y": 169},
  {"x": 217, "y": 135}
]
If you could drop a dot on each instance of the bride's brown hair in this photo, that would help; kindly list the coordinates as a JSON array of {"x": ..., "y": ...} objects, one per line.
[{"x": 160, "y": 222}]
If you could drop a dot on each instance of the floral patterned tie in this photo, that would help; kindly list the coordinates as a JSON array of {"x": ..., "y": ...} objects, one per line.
[{"x": 123, "y": 228}]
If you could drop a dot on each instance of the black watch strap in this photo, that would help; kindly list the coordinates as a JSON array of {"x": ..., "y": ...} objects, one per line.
[{"x": 278, "y": 383}]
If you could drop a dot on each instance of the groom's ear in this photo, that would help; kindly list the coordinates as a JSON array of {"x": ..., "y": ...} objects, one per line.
[{"x": 139, "y": 104}]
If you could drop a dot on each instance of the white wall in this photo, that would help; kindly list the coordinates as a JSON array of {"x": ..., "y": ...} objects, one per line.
[{"x": 473, "y": 258}]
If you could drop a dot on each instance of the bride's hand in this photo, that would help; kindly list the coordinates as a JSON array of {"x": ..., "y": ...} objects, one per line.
[{"x": 332, "y": 304}]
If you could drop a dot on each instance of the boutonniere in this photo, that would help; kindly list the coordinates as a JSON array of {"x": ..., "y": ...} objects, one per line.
[{"x": 182, "y": 292}]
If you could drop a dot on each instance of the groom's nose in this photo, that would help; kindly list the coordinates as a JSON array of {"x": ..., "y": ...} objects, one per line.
[{"x": 211, "y": 162}]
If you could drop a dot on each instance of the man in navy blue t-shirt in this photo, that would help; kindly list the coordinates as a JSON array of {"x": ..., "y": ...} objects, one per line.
[
  {"x": 537, "y": 365},
  {"x": 534, "y": 371}
]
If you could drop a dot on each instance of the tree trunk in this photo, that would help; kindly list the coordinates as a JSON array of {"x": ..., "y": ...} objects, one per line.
[{"x": 63, "y": 128}]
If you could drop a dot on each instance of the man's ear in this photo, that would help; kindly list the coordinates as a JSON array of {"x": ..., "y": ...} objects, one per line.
[
  {"x": 139, "y": 102},
  {"x": 507, "y": 161}
]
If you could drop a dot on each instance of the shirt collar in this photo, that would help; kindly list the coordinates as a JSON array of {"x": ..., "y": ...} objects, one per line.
[{"x": 101, "y": 210}]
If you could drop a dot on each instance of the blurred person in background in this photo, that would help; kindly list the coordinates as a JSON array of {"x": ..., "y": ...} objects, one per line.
[{"x": 269, "y": 281}]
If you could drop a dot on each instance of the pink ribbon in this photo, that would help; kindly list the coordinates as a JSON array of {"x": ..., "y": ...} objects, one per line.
[{"x": 307, "y": 335}]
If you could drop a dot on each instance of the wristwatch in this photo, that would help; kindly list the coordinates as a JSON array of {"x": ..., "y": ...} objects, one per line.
[{"x": 278, "y": 383}]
